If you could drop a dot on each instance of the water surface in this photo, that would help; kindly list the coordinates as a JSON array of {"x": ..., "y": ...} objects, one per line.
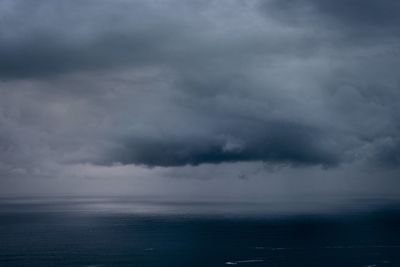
[{"x": 134, "y": 232}]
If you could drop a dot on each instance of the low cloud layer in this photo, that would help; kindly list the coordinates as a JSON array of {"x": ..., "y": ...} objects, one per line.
[{"x": 187, "y": 83}]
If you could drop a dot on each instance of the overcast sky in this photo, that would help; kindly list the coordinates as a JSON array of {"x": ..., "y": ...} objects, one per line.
[{"x": 250, "y": 98}]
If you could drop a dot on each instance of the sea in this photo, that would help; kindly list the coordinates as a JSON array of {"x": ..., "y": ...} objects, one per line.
[{"x": 150, "y": 232}]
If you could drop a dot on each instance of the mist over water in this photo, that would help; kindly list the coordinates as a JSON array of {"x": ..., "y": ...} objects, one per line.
[{"x": 126, "y": 231}]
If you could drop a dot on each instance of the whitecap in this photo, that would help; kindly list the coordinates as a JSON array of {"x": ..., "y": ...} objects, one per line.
[{"x": 242, "y": 261}]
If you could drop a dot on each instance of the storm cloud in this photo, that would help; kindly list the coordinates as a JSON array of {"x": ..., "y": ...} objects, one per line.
[{"x": 186, "y": 83}]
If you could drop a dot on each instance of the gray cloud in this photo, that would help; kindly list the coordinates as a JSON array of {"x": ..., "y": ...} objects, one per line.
[
  {"x": 299, "y": 83},
  {"x": 365, "y": 15},
  {"x": 51, "y": 38},
  {"x": 387, "y": 152},
  {"x": 246, "y": 141}
]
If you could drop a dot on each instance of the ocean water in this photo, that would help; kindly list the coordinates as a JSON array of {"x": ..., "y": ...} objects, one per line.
[{"x": 134, "y": 232}]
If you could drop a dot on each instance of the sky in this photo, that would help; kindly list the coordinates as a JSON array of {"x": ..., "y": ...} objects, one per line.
[{"x": 200, "y": 98}]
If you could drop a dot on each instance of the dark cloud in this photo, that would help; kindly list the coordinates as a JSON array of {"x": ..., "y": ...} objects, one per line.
[
  {"x": 155, "y": 83},
  {"x": 51, "y": 38},
  {"x": 44, "y": 55},
  {"x": 269, "y": 142},
  {"x": 356, "y": 20},
  {"x": 387, "y": 152},
  {"x": 369, "y": 14}
]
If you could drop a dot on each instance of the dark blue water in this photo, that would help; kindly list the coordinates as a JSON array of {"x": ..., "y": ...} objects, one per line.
[{"x": 107, "y": 232}]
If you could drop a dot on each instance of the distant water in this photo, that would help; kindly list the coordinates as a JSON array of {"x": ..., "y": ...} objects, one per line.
[{"x": 132, "y": 232}]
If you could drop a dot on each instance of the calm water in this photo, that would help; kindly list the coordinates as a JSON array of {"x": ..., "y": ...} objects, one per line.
[{"x": 128, "y": 232}]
